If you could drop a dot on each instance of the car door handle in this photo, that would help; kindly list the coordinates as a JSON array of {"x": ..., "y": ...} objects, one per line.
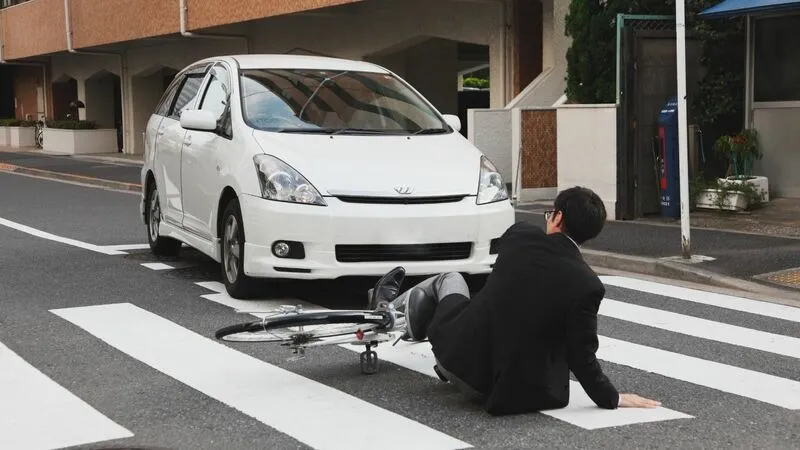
[
  {"x": 187, "y": 141},
  {"x": 160, "y": 132}
]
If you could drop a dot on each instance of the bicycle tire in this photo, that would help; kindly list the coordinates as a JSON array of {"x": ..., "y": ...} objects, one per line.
[{"x": 361, "y": 320}]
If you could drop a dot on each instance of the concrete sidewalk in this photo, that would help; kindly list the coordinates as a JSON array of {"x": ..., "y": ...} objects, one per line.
[
  {"x": 759, "y": 252},
  {"x": 722, "y": 254},
  {"x": 113, "y": 171}
]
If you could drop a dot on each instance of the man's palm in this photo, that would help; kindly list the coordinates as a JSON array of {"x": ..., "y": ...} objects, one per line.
[{"x": 635, "y": 401}]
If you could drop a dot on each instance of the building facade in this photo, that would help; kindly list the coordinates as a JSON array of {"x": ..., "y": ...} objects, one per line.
[{"x": 117, "y": 56}]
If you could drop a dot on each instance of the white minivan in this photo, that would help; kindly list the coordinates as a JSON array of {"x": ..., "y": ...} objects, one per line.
[{"x": 285, "y": 166}]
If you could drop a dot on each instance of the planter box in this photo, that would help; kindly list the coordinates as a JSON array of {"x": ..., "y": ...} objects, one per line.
[
  {"x": 5, "y": 136},
  {"x": 760, "y": 183},
  {"x": 19, "y": 137},
  {"x": 735, "y": 201},
  {"x": 77, "y": 142}
]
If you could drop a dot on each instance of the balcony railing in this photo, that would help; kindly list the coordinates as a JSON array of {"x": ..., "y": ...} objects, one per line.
[{"x": 7, "y": 3}]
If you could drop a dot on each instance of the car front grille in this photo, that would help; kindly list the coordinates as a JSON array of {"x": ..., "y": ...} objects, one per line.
[
  {"x": 403, "y": 253},
  {"x": 400, "y": 200}
]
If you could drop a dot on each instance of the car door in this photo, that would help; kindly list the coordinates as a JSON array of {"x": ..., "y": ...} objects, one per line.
[
  {"x": 204, "y": 153},
  {"x": 169, "y": 145},
  {"x": 154, "y": 124}
]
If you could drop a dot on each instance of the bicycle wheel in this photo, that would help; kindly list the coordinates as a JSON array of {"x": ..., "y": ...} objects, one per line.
[{"x": 305, "y": 328}]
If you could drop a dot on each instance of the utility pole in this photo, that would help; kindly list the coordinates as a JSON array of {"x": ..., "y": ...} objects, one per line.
[{"x": 683, "y": 138}]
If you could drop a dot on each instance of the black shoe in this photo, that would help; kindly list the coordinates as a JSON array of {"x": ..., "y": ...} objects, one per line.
[
  {"x": 419, "y": 311},
  {"x": 387, "y": 288}
]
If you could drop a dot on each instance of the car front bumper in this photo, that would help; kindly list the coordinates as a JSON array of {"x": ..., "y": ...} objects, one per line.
[{"x": 357, "y": 239}]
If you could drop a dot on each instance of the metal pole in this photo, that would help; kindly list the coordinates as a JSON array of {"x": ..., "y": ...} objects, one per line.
[{"x": 683, "y": 158}]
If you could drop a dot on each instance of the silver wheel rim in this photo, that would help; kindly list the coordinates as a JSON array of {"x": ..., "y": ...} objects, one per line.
[
  {"x": 231, "y": 249},
  {"x": 155, "y": 216}
]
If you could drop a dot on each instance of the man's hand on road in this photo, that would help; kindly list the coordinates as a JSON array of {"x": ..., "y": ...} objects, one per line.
[{"x": 634, "y": 401}]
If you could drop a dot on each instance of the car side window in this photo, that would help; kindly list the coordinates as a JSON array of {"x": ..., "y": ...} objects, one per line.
[
  {"x": 187, "y": 94},
  {"x": 167, "y": 99},
  {"x": 217, "y": 96}
]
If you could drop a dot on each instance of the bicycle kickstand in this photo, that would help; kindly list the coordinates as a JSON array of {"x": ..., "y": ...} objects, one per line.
[{"x": 369, "y": 360}]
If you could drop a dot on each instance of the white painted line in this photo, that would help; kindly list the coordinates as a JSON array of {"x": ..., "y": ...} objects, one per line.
[
  {"x": 311, "y": 412},
  {"x": 581, "y": 411},
  {"x": 707, "y": 298},
  {"x": 123, "y": 247},
  {"x": 702, "y": 328},
  {"x": 722, "y": 377},
  {"x": 215, "y": 286},
  {"x": 157, "y": 266},
  {"x": 63, "y": 240},
  {"x": 37, "y": 412}
]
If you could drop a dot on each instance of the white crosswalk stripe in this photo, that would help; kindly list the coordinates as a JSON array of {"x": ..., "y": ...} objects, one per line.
[
  {"x": 311, "y": 411},
  {"x": 29, "y": 399}
]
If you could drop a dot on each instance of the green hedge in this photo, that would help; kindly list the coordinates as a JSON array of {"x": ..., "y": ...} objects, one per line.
[
  {"x": 16, "y": 123},
  {"x": 72, "y": 124}
]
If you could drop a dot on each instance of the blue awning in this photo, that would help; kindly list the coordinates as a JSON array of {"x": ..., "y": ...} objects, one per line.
[{"x": 732, "y": 8}]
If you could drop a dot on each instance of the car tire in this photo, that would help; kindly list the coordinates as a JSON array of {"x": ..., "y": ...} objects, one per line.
[
  {"x": 159, "y": 245},
  {"x": 232, "y": 255}
]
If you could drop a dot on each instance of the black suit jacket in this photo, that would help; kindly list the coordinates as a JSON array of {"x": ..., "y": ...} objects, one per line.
[{"x": 534, "y": 321}]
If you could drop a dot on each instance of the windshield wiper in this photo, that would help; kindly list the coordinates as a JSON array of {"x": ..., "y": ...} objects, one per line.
[
  {"x": 358, "y": 131},
  {"x": 430, "y": 131}
]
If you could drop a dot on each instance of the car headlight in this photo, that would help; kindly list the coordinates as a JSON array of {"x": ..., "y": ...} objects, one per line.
[
  {"x": 490, "y": 187},
  {"x": 281, "y": 182}
]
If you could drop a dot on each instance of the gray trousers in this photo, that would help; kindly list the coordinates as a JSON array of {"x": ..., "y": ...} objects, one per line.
[{"x": 438, "y": 287}]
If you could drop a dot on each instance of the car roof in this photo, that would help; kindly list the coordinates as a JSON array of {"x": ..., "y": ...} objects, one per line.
[{"x": 286, "y": 61}]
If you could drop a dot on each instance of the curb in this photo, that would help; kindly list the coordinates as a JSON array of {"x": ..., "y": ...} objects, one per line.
[
  {"x": 100, "y": 182},
  {"x": 678, "y": 271}
]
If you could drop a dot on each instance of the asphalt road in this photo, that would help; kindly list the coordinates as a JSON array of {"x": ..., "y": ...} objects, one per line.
[
  {"x": 126, "y": 173},
  {"x": 132, "y": 347},
  {"x": 737, "y": 254}
]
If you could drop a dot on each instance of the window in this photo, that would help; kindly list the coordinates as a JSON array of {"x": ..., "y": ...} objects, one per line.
[
  {"x": 216, "y": 96},
  {"x": 777, "y": 59},
  {"x": 187, "y": 94},
  {"x": 307, "y": 100},
  {"x": 166, "y": 100}
]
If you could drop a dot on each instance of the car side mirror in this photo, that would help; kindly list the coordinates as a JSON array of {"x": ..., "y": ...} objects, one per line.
[
  {"x": 453, "y": 121},
  {"x": 198, "y": 120}
]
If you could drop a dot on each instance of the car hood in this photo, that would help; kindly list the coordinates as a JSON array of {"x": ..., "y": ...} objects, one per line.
[{"x": 373, "y": 165}]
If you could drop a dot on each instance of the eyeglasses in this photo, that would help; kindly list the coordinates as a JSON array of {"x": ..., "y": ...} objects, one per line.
[{"x": 548, "y": 214}]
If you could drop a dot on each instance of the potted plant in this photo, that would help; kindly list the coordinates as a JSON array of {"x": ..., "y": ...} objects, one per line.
[
  {"x": 742, "y": 150},
  {"x": 17, "y": 133},
  {"x": 77, "y": 137}
]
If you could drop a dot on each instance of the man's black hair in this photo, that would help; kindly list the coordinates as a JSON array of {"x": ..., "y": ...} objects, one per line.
[{"x": 584, "y": 214}]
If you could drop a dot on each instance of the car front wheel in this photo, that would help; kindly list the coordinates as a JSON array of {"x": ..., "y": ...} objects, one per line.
[{"x": 232, "y": 241}]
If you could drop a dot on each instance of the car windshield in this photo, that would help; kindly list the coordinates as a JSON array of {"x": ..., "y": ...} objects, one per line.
[{"x": 328, "y": 101}]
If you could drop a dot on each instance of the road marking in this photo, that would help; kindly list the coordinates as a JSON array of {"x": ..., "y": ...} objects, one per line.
[
  {"x": 63, "y": 240},
  {"x": 702, "y": 328},
  {"x": 722, "y": 377},
  {"x": 157, "y": 266},
  {"x": 40, "y": 413},
  {"x": 124, "y": 247},
  {"x": 311, "y": 412},
  {"x": 581, "y": 411},
  {"x": 707, "y": 298}
]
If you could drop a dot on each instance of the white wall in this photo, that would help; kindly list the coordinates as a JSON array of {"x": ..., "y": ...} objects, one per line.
[
  {"x": 779, "y": 135},
  {"x": 490, "y": 131},
  {"x": 587, "y": 151}
]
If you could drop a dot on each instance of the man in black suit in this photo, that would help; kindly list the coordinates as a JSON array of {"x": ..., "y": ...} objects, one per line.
[{"x": 511, "y": 347}]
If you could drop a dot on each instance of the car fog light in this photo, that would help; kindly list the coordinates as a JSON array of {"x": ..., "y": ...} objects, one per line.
[
  {"x": 281, "y": 249},
  {"x": 288, "y": 249}
]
